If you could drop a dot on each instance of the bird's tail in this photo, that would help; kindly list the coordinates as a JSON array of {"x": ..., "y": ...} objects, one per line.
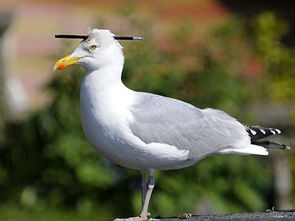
[
  {"x": 256, "y": 133},
  {"x": 269, "y": 144},
  {"x": 257, "y": 146}
]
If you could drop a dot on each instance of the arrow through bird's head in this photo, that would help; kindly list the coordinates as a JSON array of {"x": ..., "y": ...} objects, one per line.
[{"x": 98, "y": 48}]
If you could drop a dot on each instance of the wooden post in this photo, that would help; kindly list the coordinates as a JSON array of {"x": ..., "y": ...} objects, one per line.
[
  {"x": 13, "y": 97},
  {"x": 5, "y": 21},
  {"x": 282, "y": 180}
]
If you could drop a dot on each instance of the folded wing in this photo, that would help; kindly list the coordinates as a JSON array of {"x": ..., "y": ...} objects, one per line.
[{"x": 159, "y": 119}]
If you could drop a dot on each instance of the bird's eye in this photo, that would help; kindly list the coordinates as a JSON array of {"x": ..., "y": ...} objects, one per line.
[{"x": 92, "y": 47}]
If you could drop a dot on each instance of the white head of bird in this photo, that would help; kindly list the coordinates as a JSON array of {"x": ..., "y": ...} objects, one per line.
[{"x": 98, "y": 50}]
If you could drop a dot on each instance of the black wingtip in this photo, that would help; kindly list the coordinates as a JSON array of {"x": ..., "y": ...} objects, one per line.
[{"x": 258, "y": 132}]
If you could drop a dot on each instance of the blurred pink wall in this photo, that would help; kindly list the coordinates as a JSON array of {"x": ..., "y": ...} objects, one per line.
[{"x": 35, "y": 49}]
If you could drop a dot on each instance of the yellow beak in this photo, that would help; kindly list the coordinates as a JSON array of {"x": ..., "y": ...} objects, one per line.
[{"x": 65, "y": 62}]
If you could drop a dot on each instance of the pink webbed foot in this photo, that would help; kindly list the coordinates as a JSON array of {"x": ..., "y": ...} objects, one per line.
[{"x": 135, "y": 218}]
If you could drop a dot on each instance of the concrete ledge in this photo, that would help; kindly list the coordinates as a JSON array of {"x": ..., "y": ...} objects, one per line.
[{"x": 279, "y": 215}]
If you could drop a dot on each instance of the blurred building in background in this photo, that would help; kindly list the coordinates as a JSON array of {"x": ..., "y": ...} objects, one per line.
[
  {"x": 31, "y": 33},
  {"x": 34, "y": 24}
]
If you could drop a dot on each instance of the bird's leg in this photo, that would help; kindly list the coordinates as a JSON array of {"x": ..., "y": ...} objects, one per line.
[
  {"x": 144, "y": 213},
  {"x": 144, "y": 186},
  {"x": 147, "y": 189}
]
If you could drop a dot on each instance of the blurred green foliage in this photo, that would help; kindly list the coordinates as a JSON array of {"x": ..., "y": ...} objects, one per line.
[
  {"x": 47, "y": 164},
  {"x": 278, "y": 60}
]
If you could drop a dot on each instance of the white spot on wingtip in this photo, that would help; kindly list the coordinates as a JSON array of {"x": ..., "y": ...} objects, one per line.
[
  {"x": 262, "y": 131},
  {"x": 253, "y": 132},
  {"x": 273, "y": 132},
  {"x": 278, "y": 131}
]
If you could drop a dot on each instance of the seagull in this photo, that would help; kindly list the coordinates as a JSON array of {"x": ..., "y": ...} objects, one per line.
[{"x": 149, "y": 132}]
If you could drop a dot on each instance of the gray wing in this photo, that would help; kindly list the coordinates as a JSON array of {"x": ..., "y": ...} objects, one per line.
[{"x": 159, "y": 119}]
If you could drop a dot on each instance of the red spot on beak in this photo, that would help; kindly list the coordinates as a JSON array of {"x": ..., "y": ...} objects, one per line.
[{"x": 60, "y": 67}]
